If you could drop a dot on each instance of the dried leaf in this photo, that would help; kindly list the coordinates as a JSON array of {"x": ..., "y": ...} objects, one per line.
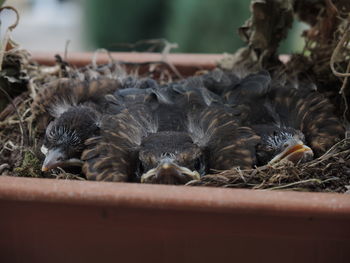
[{"x": 263, "y": 32}]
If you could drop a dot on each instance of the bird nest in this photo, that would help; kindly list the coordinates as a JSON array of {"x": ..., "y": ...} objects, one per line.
[
  {"x": 323, "y": 60},
  {"x": 20, "y": 143}
]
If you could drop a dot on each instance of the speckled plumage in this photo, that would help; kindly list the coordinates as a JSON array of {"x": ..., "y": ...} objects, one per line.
[
  {"x": 69, "y": 112},
  {"x": 172, "y": 125},
  {"x": 284, "y": 106}
]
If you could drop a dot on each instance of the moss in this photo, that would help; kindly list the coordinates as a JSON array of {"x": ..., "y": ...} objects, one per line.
[{"x": 31, "y": 166}]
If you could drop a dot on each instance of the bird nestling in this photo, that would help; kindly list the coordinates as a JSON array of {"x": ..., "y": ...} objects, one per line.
[
  {"x": 280, "y": 144},
  {"x": 293, "y": 120},
  {"x": 168, "y": 140},
  {"x": 65, "y": 136},
  {"x": 69, "y": 111}
]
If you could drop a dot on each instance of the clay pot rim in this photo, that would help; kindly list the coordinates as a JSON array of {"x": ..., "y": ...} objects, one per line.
[
  {"x": 80, "y": 59},
  {"x": 181, "y": 60},
  {"x": 164, "y": 197}
]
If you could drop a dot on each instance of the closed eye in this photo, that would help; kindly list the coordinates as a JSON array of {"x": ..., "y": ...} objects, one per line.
[
  {"x": 199, "y": 166},
  {"x": 140, "y": 169}
]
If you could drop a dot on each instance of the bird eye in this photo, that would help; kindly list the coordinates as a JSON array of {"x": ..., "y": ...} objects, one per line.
[
  {"x": 285, "y": 145},
  {"x": 197, "y": 164},
  {"x": 140, "y": 169}
]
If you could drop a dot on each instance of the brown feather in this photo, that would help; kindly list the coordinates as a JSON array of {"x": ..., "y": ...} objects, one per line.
[
  {"x": 227, "y": 144},
  {"x": 314, "y": 115},
  {"x": 112, "y": 156}
]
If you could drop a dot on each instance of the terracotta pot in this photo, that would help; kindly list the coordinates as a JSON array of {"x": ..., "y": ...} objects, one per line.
[
  {"x": 187, "y": 64},
  {"x": 43, "y": 220}
]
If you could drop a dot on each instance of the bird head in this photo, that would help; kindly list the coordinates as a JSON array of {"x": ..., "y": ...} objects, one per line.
[
  {"x": 65, "y": 137},
  {"x": 283, "y": 144},
  {"x": 170, "y": 158}
]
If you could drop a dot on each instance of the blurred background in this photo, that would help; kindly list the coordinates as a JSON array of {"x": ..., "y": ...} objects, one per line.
[{"x": 197, "y": 26}]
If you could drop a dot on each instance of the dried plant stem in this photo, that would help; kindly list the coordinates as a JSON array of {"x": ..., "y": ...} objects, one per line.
[
  {"x": 21, "y": 127},
  {"x": 7, "y": 34},
  {"x": 345, "y": 38}
]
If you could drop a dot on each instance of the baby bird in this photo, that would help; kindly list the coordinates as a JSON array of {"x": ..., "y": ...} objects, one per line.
[
  {"x": 293, "y": 120},
  {"x": 65, "y": 136},
  {"x": 69, "y": 111},
  {"x": 174, "y": 137}
]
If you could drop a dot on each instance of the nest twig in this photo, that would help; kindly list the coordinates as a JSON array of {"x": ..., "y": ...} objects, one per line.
[{"x": 329, "y": 172}]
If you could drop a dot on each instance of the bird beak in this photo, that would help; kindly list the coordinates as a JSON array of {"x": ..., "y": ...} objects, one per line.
[
  {"x": 52, "y": 160},
  {"x": 168, "y": 172},
  {"x": 55, "y": 158},
  {"x": 294, "y": 153}
]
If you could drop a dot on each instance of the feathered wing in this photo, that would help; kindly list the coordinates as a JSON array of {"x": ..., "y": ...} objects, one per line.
[
  {"x": 235, "y": 88},
  {"x": 112, "y": 155},
  {"x": 227, "y": 144},
  {"x": 261, "y": 100},
  {"x": 248, "y": 95},
  {"x": 58, "y": 96},
  {"x": 307, "y": 110},
  {"x": 192, "y": 91},
  {"x": 218, "y": 81}
]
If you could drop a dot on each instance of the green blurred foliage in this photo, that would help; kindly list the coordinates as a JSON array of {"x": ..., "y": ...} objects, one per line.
[
  {"x": 110, "y": 22},
  {"x": 198, "y": 26},
  {"x": 294, "y": 42},
  {"x": 206, "y": 25}
]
